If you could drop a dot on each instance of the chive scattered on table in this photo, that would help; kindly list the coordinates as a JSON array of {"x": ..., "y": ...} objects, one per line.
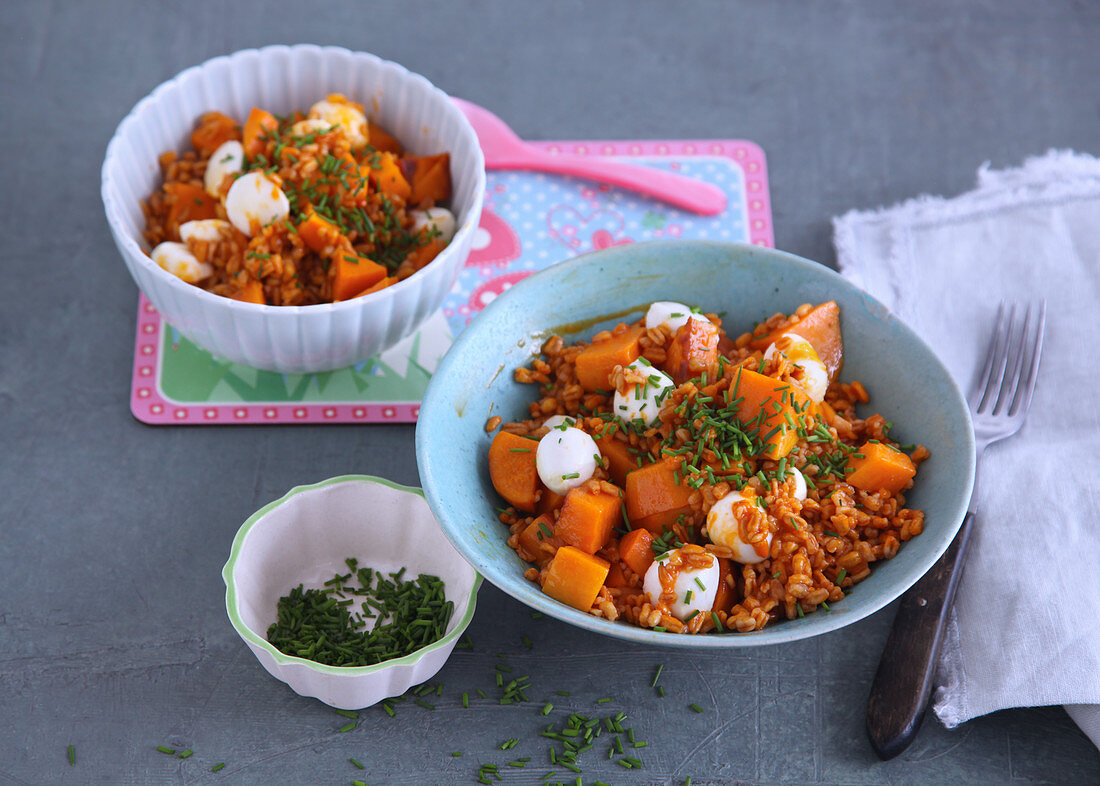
[
  {"x": 657, "y": 676},
  {"x": 186, "y": 754},
  {"x": 357, "y": 764},
  {"x": 695, "y": 707},
  {"x": 218, "y": 766},
  {"x": 72, "y": 756},
  {"x": 166, "y": 750},
  {"x": 347, "y": 727}
]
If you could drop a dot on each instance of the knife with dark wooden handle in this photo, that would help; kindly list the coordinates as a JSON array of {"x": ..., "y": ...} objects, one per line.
[{"x": 903, "y": 682}]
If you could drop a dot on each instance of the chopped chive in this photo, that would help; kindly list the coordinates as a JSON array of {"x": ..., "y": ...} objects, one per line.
[
  {"x": 347, "y": 713},
  {"x": 840, "y": 576},
  {"x": 166, "y": 750},
  {"x": 603, "y": 701},
  {"x": 695, "y": 707},
  {"x": 466, "y": 700},
  {"x": 424, "y": 704},
  {"x": 72, "y": 756},
  {"x": 660, "y": 691},
  {"x": 186, "y": 754},
  {"x": 456, "y": 754},
  {"x": 519, "y": 450},
  {"x": 547, "y": 708},
  {"x": 657, "y": 676},
  {"x": 357, "y": 764},
  {"x": 217, "y": 766},
  {"x": 347, "y": 727}
]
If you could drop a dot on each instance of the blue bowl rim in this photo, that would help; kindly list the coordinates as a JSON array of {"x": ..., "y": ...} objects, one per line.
[{"x": 779, "y": 633}]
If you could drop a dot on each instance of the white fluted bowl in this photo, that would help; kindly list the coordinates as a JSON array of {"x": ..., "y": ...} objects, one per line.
[
  {"x": 304, "y": 538},
  {"x": 291, "y": 339}
]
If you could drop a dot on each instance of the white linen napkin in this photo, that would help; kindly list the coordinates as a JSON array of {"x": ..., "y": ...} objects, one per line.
[{"x": 1025, "y": 630}]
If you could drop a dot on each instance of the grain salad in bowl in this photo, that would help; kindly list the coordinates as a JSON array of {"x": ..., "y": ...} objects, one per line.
[
  {"x": 294, "y": 208},
  {"x": 680, "y": 479},
  {"x": 316, "y": 206}
]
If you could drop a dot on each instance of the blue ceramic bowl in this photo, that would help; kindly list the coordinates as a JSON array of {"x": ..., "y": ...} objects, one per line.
[{"x": 745, "y": 284}]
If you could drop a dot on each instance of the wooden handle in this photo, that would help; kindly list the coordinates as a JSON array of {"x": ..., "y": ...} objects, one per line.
[{"x": 903, "y": 683}]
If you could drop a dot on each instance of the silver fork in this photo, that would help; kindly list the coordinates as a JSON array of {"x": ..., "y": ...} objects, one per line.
[{"x": 999, "y": 405}]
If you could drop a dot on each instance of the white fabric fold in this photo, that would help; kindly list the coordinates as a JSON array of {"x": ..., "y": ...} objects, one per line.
[{"x": 1025, "y": 630}]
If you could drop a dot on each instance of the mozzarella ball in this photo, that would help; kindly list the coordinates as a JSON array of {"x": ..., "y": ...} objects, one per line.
[
  {"x": 309, "y": 126},
  {"x": 565, "y": 459},
  {"x": 208, "y": 229},
  {"x": 255, "y": 199},
  {"x": 695, "y": 588},
  {"x": 336, "y": 111},
  {"x": 813, "y": 377},
  {"x": 228, "y": 159},
  {"x": 799, "y": 484},
  {"x": 643, "y": 402},
  {"x": 724, "y": 526},
  {"x": 557, "y": 421},
  {"x": 439, "y": 218},
  {"x": 177, "y": 260},
  {"x": 671, "y": 314}
]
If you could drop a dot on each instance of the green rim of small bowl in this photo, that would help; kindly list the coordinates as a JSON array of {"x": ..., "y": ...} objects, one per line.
[{"x": 282, "y": 658}]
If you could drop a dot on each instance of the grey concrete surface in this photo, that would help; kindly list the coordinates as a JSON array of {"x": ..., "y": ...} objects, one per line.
[{"x": 113, "y": 635}]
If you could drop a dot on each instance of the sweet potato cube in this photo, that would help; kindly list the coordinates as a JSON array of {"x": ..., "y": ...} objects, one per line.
[
  {"x": 381, "y": 139},
  {"x": 636, "y": 550},
  {"x": 214, "y": 130},
  {"x": 821, "y": 327},
  {"x": 595, "y": 362},
  {"x": 187, "y": 203},
  {"x": 693, "y": 349},
  {"x": 615, "y": 576},
  {"x": 882, "y": 467},
  {"x": 769, "y": 408},
  {"x": 431, "y": 180},
  {"x": 587, "y": 518},
  {"x": 422, "y": 255},
  {"x": 512, "y": 470},
  {"x": 258, "y": 128},
  {"x": 354, "y": 273},
  {"x": 252, "y": 292},
  {"x": 654, "y": 499},
  {"x": 534, "y": 534},
  {"x": 389, "y": 178},
  {"x": 549, "y": 501},
  {"x": 574, "y": 577},
  {"x": 620, "y": 460},
  {"x": 318, "y": 233}
]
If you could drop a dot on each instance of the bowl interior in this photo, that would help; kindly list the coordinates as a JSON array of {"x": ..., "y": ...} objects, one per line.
[
  {"x": 305, "y": 537},
  {"x": 744, "y": 284},
  {"x": 282, "y": 79}
]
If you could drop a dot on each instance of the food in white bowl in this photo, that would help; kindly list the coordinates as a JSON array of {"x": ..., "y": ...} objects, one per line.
[
  {"x": 304, "y": 539},
  {"x": 304, "y": 335},
  {"x": 316, "y": 206}
]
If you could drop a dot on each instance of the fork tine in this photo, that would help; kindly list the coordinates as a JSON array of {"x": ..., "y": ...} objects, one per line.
[
  {"x": 1018, "y": 347},
  {"x": 978, "y": 391},
  {"x": 999, "y": 353},
  {"x": 1036, "y": 355}
]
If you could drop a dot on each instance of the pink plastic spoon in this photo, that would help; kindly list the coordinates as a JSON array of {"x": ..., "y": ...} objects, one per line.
[{"x": 504, "y": 150}]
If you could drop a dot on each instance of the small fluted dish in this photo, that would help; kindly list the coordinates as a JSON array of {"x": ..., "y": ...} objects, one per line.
[{"x": 304, "y": 538}]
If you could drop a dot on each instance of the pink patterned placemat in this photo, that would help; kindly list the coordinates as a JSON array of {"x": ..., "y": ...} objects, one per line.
[{"x": 530, "y": 221}]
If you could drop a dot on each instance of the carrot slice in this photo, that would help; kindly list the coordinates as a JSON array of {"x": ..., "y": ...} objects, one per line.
[
  {"x": 574, "y": 577},
  {"x": 587, "y": 518},
  {"x": 257, "y": 128},
  {"x": 595, "y": 362},
  {"x": 512, "y": 470},
  {"x": 882, "y": 467}
]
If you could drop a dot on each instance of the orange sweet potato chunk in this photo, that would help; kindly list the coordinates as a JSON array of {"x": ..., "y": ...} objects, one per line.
[
  {"x": 770, "y": 408},
  {"x": 620, "y": 460},
  {"x": 431, "y": 180},
  {"x": 381, "y": 139},
  {"x": 512, "y": 470},
  {"x": 574, "y": 577},
  {"x": 188, "y": 203},
  {"x": 724, "y": 597},
  {"x": 534, "y": 534},
  {"x": 595, "y": 362},
  {"x": 654, "y": 500},
  {"x": 693, "y": 349},
  {"x": 587, "y": 518},
  {"x": 320, "y": 234},
  {"x": 354, "y": 274},
  {"x": 257, "y": 128},
  {"x": 252, "y": 292},
  {"x": 821, "y": 327},
  {"x": 882, "y": 467},
  {"x": 636, "y": 550},
  {"x": 389, "y": 178},
  {"x": 214, "y": 129}
]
